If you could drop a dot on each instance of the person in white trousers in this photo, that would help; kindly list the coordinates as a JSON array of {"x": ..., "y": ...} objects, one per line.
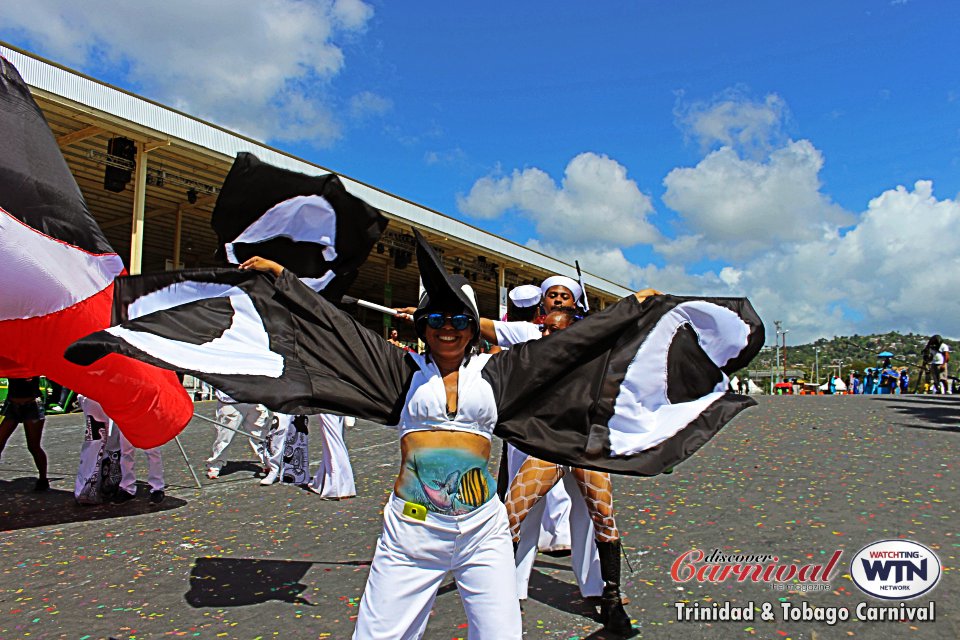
[
  {"x": 563, "y": 511},
  {"x": 334, "y": 477},
  {"x": 248, "y": 417},
  {"x": 128, "y": 478}
]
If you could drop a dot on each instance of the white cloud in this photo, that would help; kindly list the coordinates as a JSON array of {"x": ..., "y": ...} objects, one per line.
[
  {"x": 898, "y": 268},
  {"x": 741, "y": 207},
  {"x": 610, "y": 263},
  {"x": 263, "y": 67},
  {"x": 367, "y": 103},
  {"x": 733, "y": 120},
  {"x": 595, "y": 202},
  {"x": 756, "y": 207}
]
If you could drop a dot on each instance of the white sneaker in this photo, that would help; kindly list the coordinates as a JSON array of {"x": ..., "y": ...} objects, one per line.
[
  {"x": 213, "y": 474},
  {"x": 270, "y": 478}
]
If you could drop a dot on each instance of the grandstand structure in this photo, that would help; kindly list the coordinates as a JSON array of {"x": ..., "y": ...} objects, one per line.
[{"x": 161, "y": 218}]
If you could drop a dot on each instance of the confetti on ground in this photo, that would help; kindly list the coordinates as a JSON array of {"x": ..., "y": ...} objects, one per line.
[{"x": 799, "y": 477}]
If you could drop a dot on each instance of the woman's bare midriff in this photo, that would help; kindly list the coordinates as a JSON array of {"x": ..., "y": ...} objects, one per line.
[{"x": 445, "y": 471}]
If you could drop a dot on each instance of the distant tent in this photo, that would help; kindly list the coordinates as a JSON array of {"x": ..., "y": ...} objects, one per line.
[
  {"x": 839, "y": 385},
  {"x": 752, "y": 387}
]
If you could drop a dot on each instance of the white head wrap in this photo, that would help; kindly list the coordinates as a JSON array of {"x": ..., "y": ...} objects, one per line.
[
  {"x": 526, "y": 295},
  {"x": 563, "y": 281}
]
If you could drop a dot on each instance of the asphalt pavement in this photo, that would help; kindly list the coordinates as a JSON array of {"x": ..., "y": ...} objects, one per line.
[{"x": 795, "y": 477}]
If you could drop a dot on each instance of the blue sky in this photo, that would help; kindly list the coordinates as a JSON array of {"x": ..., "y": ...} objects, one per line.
[{"x": 806, "y": 155}]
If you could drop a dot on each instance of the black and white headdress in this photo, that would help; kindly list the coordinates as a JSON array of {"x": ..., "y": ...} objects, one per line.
[{"x": 441, "y": 290}]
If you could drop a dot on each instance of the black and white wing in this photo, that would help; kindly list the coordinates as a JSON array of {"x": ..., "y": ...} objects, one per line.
[
  {"x": 634, "y": 389},
  {"x": 310, "y": 224},
  {"x": 259, "y": 339}
]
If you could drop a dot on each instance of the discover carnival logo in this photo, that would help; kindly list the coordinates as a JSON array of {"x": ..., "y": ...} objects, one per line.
[
  {"x": 717, "y": 566},
  {"x": 895, "y": 569}
]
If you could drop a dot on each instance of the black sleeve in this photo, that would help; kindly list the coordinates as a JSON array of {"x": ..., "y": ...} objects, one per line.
[
  {"x": 522, "y": 374},
  {"x": 353, "y": 371},
  {"x": 634, "y": 389}
]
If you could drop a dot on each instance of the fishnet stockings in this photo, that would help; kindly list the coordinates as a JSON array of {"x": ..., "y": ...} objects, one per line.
[{"x": 536, "y": 477}]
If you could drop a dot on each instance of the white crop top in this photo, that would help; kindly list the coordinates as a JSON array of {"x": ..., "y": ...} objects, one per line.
[{"x": 426, "y": 404}]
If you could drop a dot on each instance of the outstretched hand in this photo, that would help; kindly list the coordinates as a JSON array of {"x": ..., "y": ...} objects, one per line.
[
  {"x": 643, "y": 294},
  {"x": 262, "y": 264},
  {"x": 405, "y": 313}
]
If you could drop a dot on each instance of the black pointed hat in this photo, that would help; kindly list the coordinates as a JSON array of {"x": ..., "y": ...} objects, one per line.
[{"x": 441, "y": 291}]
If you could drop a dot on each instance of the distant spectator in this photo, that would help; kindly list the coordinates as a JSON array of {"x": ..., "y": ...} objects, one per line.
[
  {"x": 904, "y": 380},
  {"x": 24, "y": 404},
  {"x": 394, "y": 338},
  {"x": 937, "y": 356}
]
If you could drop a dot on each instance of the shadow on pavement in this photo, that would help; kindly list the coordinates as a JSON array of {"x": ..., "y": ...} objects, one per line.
[
  {"x": 22, "y": 508},
  {"x": 239, "y": 582},
  {"x": 237, "y": 467},
  {"x": 566, "y": 597},
  {"x": 937, "y": 410}
]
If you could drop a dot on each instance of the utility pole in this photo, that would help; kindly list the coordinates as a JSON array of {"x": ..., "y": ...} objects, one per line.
[
  {"x": 777, "y": 323},
  {"x": 785, "y": 332},
  {"x": 816, "y": 364}
]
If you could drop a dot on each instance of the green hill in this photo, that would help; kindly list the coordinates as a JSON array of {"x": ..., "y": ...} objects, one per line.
[{"x": 853, "y": 353}]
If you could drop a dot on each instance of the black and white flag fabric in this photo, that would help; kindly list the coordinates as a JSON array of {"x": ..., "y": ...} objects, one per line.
[
  {"x": 252, "y": 336},
  {"x": 650, "y": 381},
  {"x": 310, "y": 224},
  {"x": 634, "y": 389}
]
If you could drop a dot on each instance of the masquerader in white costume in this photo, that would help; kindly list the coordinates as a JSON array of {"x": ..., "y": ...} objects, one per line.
[
  {"x": 444, "y": 515},
  {"x": 595, "y": 549},
  {"x": 245, "y": 416},
  {"x": 548, "y": 525},
  {"x": 334, "y": 477}
]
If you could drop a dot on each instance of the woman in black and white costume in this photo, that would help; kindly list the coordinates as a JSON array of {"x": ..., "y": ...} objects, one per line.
[
  {"x": 554, "y": 523},
  {"x": 633, "y": 389},
  {"x": 443, "y": 515},
  {"x": 561, "y": 518}
]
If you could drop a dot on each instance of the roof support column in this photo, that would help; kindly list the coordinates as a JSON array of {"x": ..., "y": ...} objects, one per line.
[
  {"x": 139, "y": 205},
  {"x": 501, "y": 290},
  {"x": 177, "y": 232}
]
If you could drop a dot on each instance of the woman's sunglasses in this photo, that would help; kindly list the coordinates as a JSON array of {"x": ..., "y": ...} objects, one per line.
[{"x": 459, "y": 322}]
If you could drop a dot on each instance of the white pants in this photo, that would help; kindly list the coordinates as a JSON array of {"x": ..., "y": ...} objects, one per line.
[
  {"x": 251, "y": 418},
  {"x": 584, "y": 558},
  {"x": 128, "y": 479},
  {"x": 412, "y": 559},
  {"x": 273, "y": 456},
  {"x": 542, "y": 523},
  {"x": 334, "y": 477}
]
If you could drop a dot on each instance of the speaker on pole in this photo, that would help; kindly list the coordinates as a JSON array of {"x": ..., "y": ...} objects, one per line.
[{"x": 116, "y": 178}]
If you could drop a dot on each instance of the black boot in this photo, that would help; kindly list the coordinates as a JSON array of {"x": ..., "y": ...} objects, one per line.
[{"x": 614, "y": 618}]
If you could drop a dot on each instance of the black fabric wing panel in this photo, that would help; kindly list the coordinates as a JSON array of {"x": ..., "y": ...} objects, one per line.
[
  {"x": 546, "y": 390},
  {"x": 252, "y": 187},
  {"x": 328, "y": 364},
  {"x": 353, "y": 370},
  {"x": 556, "y": 396},
  {"x": 36, "y": 185}
]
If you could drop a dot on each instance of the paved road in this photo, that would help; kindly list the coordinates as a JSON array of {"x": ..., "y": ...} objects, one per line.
[{"x": 798, "y": 477}]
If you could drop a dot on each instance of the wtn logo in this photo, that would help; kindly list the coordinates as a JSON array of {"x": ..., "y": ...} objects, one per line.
[
  {"x": 895, "y": 569},
  {"x": 904, "y": 570}
]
